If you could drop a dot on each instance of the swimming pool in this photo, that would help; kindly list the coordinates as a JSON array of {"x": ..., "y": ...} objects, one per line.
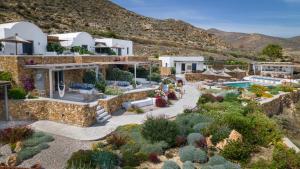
[{"x": 240, "y": 84}]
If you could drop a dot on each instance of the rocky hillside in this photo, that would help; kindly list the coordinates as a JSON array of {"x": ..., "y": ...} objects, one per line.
[
  {"x": 255, "y": 42},
  {"x": 104, "y": 18}
]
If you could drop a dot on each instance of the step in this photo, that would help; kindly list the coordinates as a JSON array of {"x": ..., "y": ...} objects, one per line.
[
  {"x": 104, "y": 119},
  {"x": 99, "y": 112},
  {"x": 102, "y": 115}
]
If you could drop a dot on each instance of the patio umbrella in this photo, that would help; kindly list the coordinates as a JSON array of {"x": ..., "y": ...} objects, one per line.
[
  {"x": 227, "y": 70},
  {"x": 14, "y": 39},
  {"x": 209, "y": 72},
  {"x": 224, "y": 74},
  {"x": 238, "y": 70}
]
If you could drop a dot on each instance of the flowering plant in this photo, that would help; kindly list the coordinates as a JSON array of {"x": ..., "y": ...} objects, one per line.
[
  {"x": 28, "y": 83},
  {"x": 160, "y": 93}
]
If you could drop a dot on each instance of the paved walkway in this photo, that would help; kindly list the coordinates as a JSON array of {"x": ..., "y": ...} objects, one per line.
[{"x": 99, "y": 131}]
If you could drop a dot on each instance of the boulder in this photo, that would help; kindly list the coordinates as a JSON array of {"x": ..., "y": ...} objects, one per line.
[
  {"x": 209, "y": 142},
  {"x": 19, "y": 146},
  {"x": 11, "y": 160},
  {"x": 235, "y": 136},
  {"x": 222, "y": 144}
]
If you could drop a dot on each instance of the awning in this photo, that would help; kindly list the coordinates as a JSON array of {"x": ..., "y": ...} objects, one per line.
[{"x": 63, "y": 66}]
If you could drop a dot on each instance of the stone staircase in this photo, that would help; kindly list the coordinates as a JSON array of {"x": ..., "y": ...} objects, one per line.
[{"x": 101, "y": 115}]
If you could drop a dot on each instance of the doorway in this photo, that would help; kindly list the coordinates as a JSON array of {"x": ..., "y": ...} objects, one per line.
[
  {"x": 182, "y": 67},
  {"x": 194, "y": 67},
  {"x": 27, "y": 48}
]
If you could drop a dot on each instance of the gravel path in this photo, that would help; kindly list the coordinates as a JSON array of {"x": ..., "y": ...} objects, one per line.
[{"x": 57, "y": 155}]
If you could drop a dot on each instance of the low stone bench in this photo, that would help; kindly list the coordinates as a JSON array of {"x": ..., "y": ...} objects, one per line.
[{"x": 139, "y": 103}]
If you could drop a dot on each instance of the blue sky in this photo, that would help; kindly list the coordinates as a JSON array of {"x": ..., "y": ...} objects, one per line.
[{"x": 271, "y": 17}]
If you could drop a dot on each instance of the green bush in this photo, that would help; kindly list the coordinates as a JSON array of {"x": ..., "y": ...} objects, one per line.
[
  {"x": 188, "y": 165},
  {"x": 231, "y": 97},
  {"x": 157, "y": 129},
  {"x": 154, "y": 148},
  {"x": 17, "y": 93},
  {"x": 100, "y": 86},
  {"x": 80, "y": 50},
  {"x": 133, "y": 159},
  {"x": 35, "y": 140},
  {"x": 198, "y": 127},
  {"x": 29, "y": 152},
  {"x": 119, "y": 75},
  {"x": 105, "y": 159},
  {"x": 89, "y": 77},
  {"x": 5, "y": 76},
  {"x": 220, "y": 162},
  {"x": 81, "y": 166},
  {"x": 154, "y": 77},
  {"x": 55, "y": 47},
  {"x": 238, "y": 151},
  {"x": 190, "y": 153},
  {"x": 110, "y": 90},
  {"x": 187, "y": 122},
  {"x": 220, "y": 134},
  {"x": 170, "y": 165},
  {"x": 284, "y": 157},
  {"x": 141, "y": 72},
  {"x": 193, "y": 137},
  {"x": 81, "y": 157}
]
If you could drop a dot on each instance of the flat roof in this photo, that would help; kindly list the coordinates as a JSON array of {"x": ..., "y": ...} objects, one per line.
[
  {"x": 63, "y": 66},
  {"x": 73, "y": 66}
]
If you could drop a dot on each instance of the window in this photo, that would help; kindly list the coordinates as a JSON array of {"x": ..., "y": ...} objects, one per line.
[
  {"x": 85, "y": 47},
  {"x": 127, "y": 51}
]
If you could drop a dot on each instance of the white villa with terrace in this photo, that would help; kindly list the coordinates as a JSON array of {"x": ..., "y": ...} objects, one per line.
[
  {"x": 27, "y": 31},
  {"x": 183, "y": 64},
  {"x": 82, "y": 39},
  {"x": 118, "y": 46}
]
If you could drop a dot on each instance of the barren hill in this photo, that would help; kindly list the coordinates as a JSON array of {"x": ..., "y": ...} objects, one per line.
[
  {"x": 255, "y": 42},
  {"x": 104, "y": 18}
]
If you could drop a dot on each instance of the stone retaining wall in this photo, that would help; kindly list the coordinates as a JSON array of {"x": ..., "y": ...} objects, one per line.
[
  {"x": 276, "y": 105},
  {"x": 201, "y": 77},
  {"x": 54, "y": 110},
  {"x": 115, "y": 103}
]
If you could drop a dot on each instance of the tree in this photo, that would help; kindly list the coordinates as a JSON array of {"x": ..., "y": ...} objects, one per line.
[
  {"x": 55, "y": 47},
  {"x": 273, "y": 51}
]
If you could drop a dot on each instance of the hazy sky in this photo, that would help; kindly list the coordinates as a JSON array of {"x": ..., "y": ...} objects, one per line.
[{"x": 271, "y": 17}]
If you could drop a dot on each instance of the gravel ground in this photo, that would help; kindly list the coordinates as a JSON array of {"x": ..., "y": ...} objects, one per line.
[{"x": 57, "y": 155}]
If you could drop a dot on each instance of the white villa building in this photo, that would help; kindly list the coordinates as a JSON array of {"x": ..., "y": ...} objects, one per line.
[
  {"x": 184, "y": 64},
  {"x": 118, "y": 46},
  {"x": 27, "y": 31},
  {"x": 81, "y": 39}
]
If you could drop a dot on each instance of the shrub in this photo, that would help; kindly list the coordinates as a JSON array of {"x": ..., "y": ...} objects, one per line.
[
  {"x": 287, "y": 88},
  {"x": 284, "y": 157},
  {"x": 158, "y": 129},
  {"x": 220, "y": 134},
  {"x": 190, "y": 153},
  {"x": 29, "y": 152},
  {"x": 89, "y": 77},
  {"x": 154, "y": 148},
  {"x": 160, "y": 102},
  {"x": 180, "y": 141},
  {"x": 258, "y": 89},
  {"x": 28, "y": 83},
  {"x": 198, "y": 127},
  {"x": 186, "y": 122},
  {"x": 200, "y": 156},
  {"x": 188, "y": 165},
  {"x": 153, "y": 157},
  {"x": 170, "y": 165},
  {"x": 116, "y": 140},
  {"x": 133, "y": 159},
  {"x": 110, "y": 90},
  {"x": 218, "y": 161},
  {"x": 12, "y": 135},
  {"x": 236, "y": 150},
  {"x": 36, "y": 139},
  {"x": 201, "y": 143},
  {"x": 172, "y": 96},
  {"x": 151, "y": 93},
  {"x": 205, "y": 98},
  {"x": 5, "y": 76},
  {"x": 81, "y": 166},
  {"x": 231, "y": 97},
  {"x": 81, "y": 157},
  {"x": 55, "y": 47},
  {"x": 17, "y": 93},
  {"x": 193, "y": 137},
  {"x": 120, "y": 75},
  {"x": 100, "y": 86},
  {"x": 105, "y": 159},
  {"x": 154, "y": 77}
]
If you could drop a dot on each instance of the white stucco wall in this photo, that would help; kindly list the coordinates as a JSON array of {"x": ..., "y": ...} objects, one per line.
[
  {"x": 69, "y": 40},
  {"x": 176, "y": 61},
  {"x": 26, "y": 31},
  {"x": 124, "y": 44}
]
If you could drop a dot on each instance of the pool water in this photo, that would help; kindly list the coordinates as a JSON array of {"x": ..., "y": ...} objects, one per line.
[{"x": 239, "y": 84}]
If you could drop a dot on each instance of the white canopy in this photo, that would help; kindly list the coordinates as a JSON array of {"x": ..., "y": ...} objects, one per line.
[
  {"x": 209, "y": 72},
  {"x": 227, "y": 70},
  {"x": 224, "y": 74},
  {"x": 238, "y": 70}
]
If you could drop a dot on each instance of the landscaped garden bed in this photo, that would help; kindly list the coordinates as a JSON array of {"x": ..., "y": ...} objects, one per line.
[{"x": 23, "y": 143}]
